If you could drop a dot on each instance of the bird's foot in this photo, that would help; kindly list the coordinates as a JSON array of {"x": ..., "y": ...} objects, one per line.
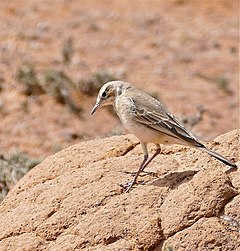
[
  {"x": 129, "y": 185},
  {"x": 131, "y": 173},
  {"x": 142, "y": 172}
]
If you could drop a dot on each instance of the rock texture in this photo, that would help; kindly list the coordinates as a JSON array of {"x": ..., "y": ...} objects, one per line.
[{"x": 74, "y": 200}]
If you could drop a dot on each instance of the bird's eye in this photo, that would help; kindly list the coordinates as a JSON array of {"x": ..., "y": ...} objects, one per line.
[{"x": 104, "y": 94}]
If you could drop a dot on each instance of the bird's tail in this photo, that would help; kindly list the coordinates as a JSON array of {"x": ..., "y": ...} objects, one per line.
[{"x": 218, "y": 156}]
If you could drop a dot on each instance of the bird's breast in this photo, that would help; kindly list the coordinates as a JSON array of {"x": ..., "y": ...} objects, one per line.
[{"x": 125, "y": 112}]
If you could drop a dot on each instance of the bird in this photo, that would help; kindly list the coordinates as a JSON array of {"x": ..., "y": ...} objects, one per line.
[{"x": 149, "y": 120}]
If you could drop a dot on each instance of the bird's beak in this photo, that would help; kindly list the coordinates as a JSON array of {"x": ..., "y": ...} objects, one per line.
[{"x": 95, "y": 108}]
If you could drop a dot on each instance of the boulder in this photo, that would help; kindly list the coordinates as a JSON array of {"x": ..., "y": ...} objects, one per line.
[{"x": 74, "y": 200}]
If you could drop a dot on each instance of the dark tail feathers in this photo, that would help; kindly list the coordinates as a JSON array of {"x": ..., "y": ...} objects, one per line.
[{"x": 218, "y": 156}]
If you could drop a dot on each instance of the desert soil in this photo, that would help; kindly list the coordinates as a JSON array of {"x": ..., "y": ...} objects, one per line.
[{"x": 184, "y": 52}]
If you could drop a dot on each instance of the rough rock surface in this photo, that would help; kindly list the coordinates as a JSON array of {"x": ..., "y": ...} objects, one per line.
[{"x": 73, "y": 200}]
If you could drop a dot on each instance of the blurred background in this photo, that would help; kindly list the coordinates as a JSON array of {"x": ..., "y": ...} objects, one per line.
[{"x": 55, "y": 55}]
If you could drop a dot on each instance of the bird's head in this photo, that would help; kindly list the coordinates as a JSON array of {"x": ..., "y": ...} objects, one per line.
[{"x": 108, "y": 93}]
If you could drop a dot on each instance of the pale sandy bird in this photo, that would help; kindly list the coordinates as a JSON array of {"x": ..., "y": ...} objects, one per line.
[{"x": 146, "y": 118}]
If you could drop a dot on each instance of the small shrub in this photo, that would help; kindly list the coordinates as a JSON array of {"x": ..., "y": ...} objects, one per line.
[
  {"x": 92, "y": 85},
  {"x": 191, "y": 121},
  {"x": 223, "y": 84},
  {"x": 12, "y": 168},
  {"x": 68, "y": 51},
  {"x": 60, "y": 86},
  {"x": 221, "y": 81},
  {"x": 27, "y": 76}
]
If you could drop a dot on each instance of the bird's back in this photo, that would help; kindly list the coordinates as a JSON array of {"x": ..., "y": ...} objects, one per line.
[{"x": 152, "y": 113}]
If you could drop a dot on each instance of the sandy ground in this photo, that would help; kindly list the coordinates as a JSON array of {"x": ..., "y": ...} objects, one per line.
[{"x": 184, "y": 52}]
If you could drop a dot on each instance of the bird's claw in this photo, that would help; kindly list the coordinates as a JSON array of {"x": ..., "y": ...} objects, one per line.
[
  {"x": 143, "y": 173},
  {"x": 129, "y": 185},
  {"x": 131, "y": 173}
]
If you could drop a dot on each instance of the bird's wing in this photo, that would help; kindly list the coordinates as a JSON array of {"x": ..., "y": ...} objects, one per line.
[{"x": 156, "y": 117}]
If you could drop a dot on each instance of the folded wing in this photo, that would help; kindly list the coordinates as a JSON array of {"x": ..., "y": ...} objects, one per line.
[{"x": 159, "y": 119}]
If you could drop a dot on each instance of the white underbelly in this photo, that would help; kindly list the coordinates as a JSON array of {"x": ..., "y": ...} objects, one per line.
[{"x": 148, "y": 135}]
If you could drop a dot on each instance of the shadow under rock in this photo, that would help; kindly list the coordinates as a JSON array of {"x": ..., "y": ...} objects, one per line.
[{"x": 173, "y": 180}]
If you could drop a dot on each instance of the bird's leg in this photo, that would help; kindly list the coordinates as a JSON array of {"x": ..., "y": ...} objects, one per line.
[
  {"x": 144, "y": 163},
  {"x": 158, "y": 150},
  {"x": 129, "y": 185}
]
